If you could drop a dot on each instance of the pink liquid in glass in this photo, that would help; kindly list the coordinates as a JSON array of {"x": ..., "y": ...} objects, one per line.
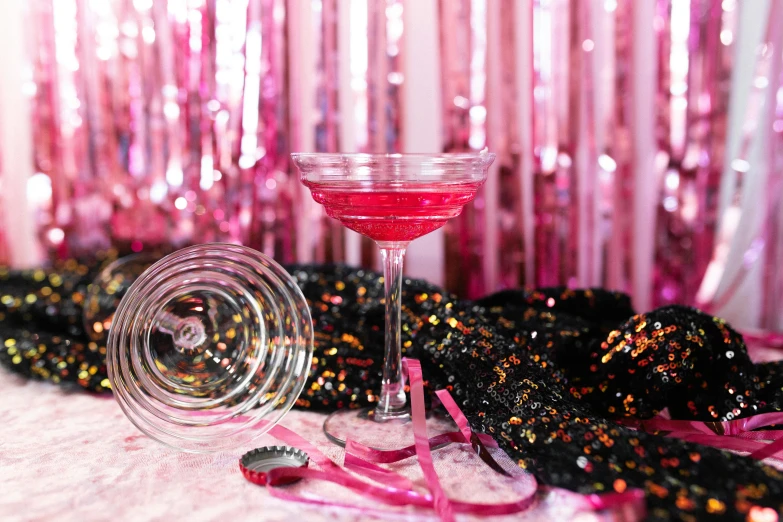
[{"x": 393, "y": 213}]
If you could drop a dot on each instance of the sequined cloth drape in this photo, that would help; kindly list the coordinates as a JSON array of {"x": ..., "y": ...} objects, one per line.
[{"x": 547, "y": 373}]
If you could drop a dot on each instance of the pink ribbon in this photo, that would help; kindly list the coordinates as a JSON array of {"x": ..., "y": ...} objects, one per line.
[
  {"x": 438, "y": 441},
  {"x": 395, "y": 489},
  {"x": 462, "y": 422},
  {"x": 763, "y": 339},
  {"x": 441, "y": 501},
  {"x": 735, "y": 435}
]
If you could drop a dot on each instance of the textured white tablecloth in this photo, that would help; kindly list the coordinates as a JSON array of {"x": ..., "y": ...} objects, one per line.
[{"x": 67, "y": 455}]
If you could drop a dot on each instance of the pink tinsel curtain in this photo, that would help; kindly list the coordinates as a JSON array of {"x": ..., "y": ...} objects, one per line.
[{"x": 170, "y": 123}]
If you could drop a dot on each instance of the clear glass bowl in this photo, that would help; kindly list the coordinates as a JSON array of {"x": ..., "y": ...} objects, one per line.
[{"x": 210, "y": 347}]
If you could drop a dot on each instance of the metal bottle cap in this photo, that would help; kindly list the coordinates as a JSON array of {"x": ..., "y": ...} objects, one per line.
[{"x": 255, "y": 464}]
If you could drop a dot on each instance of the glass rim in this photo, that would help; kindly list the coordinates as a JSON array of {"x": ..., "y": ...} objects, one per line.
[
  {"x": 413, "y": 167},
  {"x": 473, "y": 154},
  {"x": 422, "y": 157}
]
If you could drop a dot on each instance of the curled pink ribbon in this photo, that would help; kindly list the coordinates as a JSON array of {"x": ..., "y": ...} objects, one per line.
[
  {"x": 735, "y": 435},
  {"x": 395, "y": 489}
]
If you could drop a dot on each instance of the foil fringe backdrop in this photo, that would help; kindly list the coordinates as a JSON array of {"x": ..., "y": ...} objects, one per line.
[
  {"x": 772, "y": 313},
  {"x": 581, "y": 144},
  {"x": 721, "y": 283},
  {"x": 171, "y": 122},
  {"x": 693, "y": 94}
]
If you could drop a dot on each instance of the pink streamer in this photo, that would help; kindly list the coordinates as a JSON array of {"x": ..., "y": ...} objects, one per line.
[
  {"x": 371, "y": 470},
  {"x": 387, "y": 457},
  {"x": 462, "y": 422},
  {"x": 735, "y": 435},
  {"x": 390, "y": 494},
  {"x": 396, "y": 489},
  {"x": 441, "y": 501},
  {"x": 768, "y": 450}
]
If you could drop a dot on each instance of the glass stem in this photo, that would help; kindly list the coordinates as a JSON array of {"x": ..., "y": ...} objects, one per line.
[{"x": 391, "y": 403}]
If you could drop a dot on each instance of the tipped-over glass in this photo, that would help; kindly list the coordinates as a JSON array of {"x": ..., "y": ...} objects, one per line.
[
  {"x": 392, "y": 199},
  {"x": 209, "y": 347}
]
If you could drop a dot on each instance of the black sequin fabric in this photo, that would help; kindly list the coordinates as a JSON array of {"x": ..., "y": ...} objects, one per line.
[{"x": 547, "y": 373}]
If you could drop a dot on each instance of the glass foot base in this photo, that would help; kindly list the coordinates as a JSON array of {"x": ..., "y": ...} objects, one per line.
[{"x": 361, "y": 426}]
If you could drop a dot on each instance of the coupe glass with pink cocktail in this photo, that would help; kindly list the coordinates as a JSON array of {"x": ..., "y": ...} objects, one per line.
[{"x": 392, "y": 199}]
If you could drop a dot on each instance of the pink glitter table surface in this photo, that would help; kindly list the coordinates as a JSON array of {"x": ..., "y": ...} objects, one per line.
[{"x": 73, "y": 456}]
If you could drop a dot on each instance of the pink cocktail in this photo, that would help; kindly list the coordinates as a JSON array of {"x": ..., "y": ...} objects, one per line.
[
  {"x": 392, "y": 199},
  {"x": 394, "y": 214}
]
